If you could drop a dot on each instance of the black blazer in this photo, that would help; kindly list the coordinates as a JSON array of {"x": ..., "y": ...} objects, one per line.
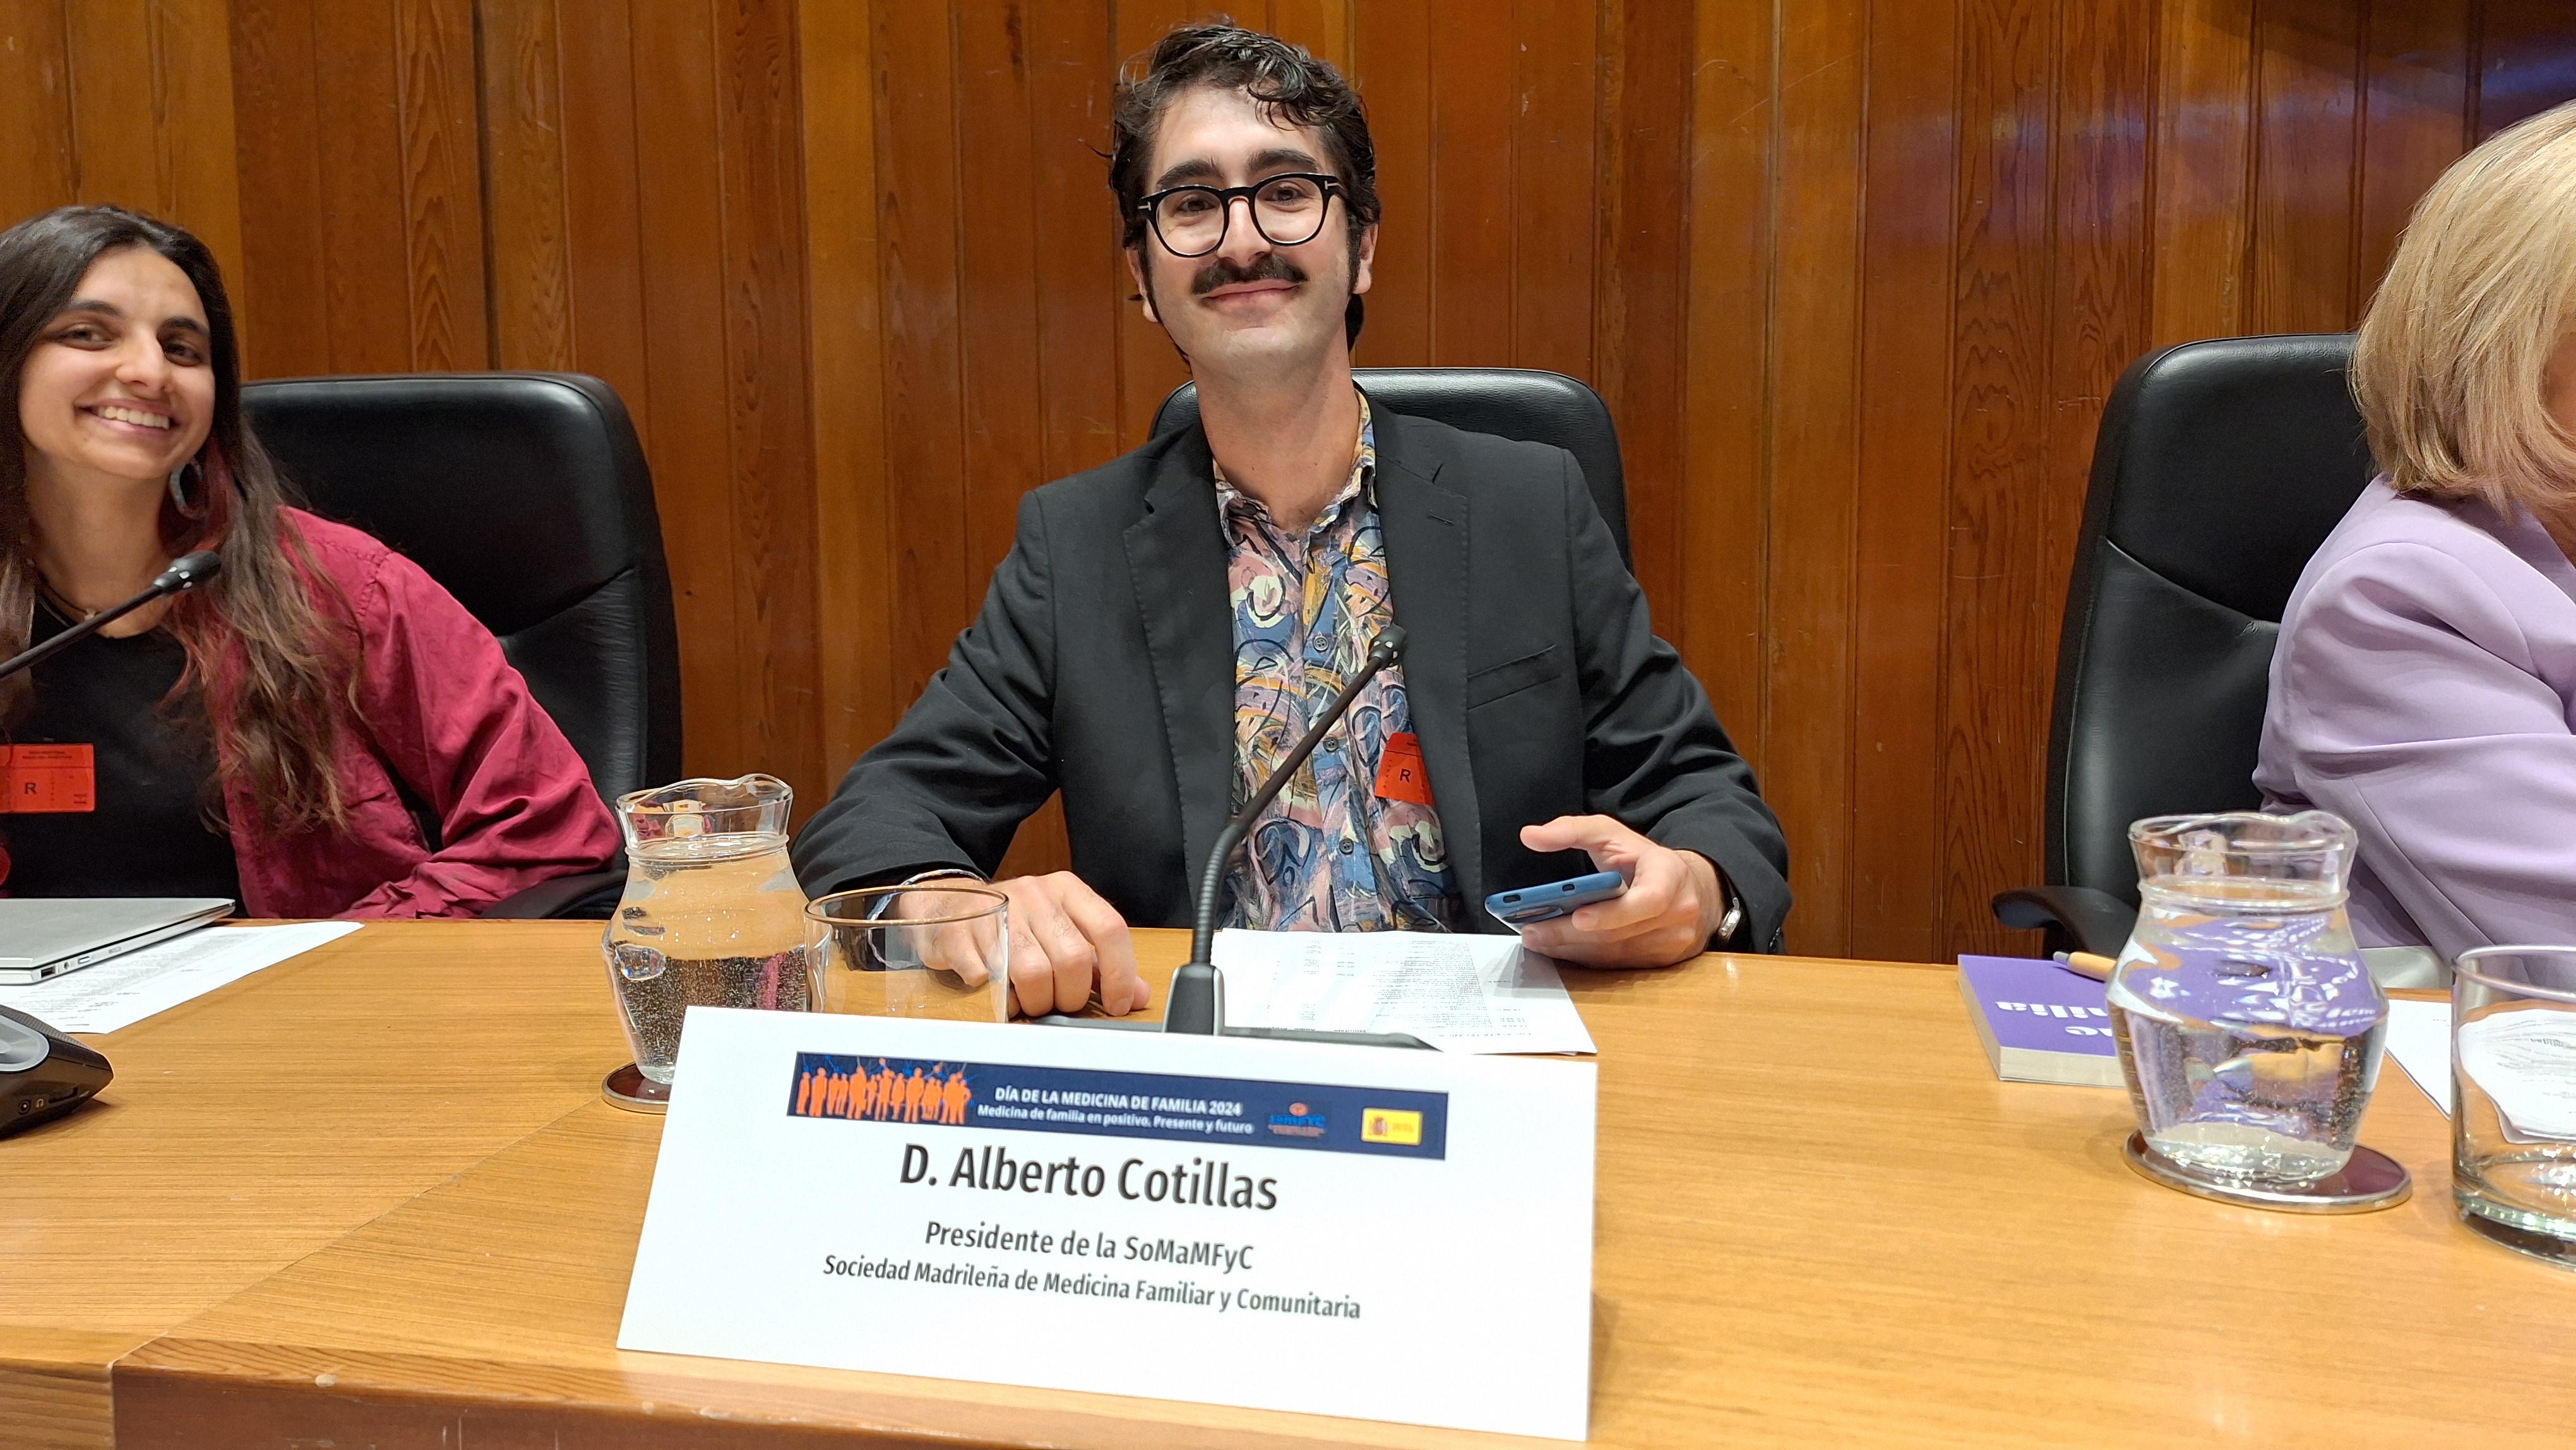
[{"x": 1103, "y": 666}]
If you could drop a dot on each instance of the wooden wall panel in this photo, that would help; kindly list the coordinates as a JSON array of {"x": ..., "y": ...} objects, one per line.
[
  {"x": 918, "y": 166},
  {"x": 1082, "y": 285},
  {"x": 362, "y": 188},
  {"x": 2415, "y": 95},
  {"x": 2307, "y": 92},
  {"x": 1896, "y": 888},
  {"x": 1392, "y": 40},
  {"x": 442, "y": 183},
  {"x": 530, "y": 286},
  {"x": 1555, "y": 181},
  {"x": 996, "y": 305},
  {"x": 766, "y": 396},
  {"x": 1999, "y": 481},
  {"x": 360, "y": 232},
  {"x": 38, "y": 170},
  {"x": 1001, "y": 382},
  {"x": 1641, "y": 274},
  {"x": 1814, "y": 411},
  {"x": 193, "y": 103},
  {"x": 853, "y": 512},
  {"x": 683, "y": 238},
  {"x": 603, "y": 141},
  {"x": 126, "y": 102},
  {"x": 1473, "y": 206},
  {"x": 1854, "y": 275},
  {"x": 1322, "y": 26},
  {"x": 2526, "y": 61},
  {"x": 279, "y": 286},
  {"x": 1703, "y": 536},
  {"x": 113, "y": 101},
  {"x": 2203, "y": 168}
]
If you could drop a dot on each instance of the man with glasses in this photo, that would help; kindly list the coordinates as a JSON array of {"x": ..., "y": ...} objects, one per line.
[{"x": 1167, "y": 626}]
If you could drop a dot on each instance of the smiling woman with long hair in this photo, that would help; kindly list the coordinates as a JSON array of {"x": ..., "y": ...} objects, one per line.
[{"x": 320, "y": 731}]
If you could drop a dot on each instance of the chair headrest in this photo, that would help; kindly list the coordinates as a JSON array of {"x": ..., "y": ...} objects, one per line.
[
  {"x": 439, "y": 465},
  {"x": 2224, "y": 464}
]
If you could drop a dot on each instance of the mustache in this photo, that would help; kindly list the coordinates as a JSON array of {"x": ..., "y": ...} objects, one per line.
[{"x": 1268, "y": 267}]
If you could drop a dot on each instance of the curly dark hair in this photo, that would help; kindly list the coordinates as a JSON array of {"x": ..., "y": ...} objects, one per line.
[{"x": 1288, "y": 83}]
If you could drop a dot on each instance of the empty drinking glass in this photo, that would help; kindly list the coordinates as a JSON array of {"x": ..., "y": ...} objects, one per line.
[
  {"x": 2513, "y": 1097},
  {"x": 936, "y": 950},
  {"x": 2249, "y": 1029}
]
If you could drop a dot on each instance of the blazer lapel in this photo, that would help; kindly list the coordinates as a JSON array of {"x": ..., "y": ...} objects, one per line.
[
  {"x": 1176, "y": 560},
  {"x": 1426, "y": 564}
]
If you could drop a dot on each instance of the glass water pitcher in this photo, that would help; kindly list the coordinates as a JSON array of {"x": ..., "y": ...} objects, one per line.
[
  {"x": 712, "y": 914},
  {"x": 2249, "y": 1028}
]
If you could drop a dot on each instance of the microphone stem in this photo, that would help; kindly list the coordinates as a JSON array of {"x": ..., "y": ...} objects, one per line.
[
  {"x": 30, "y": 658},
  {"x": 1212, "y": 880}
]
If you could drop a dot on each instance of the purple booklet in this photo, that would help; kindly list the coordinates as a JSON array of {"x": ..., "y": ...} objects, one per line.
[{"x": 2040, "y": 1022}]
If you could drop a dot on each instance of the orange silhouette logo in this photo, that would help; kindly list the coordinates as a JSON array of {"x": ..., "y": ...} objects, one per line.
[{"x": 829, "y": 1086}]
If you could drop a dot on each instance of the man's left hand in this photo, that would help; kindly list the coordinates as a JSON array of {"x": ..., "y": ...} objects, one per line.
[{"x": 1673, "y": 904}]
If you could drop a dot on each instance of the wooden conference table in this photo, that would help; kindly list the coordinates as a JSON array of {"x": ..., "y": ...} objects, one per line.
[{"x": 372, "y": 1197}]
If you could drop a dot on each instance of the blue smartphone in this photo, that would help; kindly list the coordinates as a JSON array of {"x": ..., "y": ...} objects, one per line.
[{"x": 1517, "y": 909}]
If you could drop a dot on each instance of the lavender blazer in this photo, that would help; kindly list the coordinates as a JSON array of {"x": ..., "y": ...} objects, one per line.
[{"x": 2423, "y": 689}]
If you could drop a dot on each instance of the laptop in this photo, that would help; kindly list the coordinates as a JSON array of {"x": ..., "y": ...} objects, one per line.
[{"x": 48, "y": 937}]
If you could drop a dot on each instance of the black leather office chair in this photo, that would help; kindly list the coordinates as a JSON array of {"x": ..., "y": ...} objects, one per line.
[
  {"x": 2220, "y": 468},
  {"x": 1519, "y": 403},
  {"x": 527, "y": 497}
]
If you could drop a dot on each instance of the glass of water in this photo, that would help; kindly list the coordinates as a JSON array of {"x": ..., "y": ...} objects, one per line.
[
  {"x": 937, "y": 950},
  {"x": 2513, "y": 1097},
  {"x": 2249, "y": 1029}
]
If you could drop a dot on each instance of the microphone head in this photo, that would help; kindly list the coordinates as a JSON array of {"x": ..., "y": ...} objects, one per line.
[
  {"x": 189, "y": 570},
  {"x": 1389, "y": 640}
]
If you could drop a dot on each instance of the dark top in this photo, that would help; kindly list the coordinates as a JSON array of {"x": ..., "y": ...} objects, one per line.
[
  {"x": 1103, "y": 666},
  {"x": 150, "y": 835}
]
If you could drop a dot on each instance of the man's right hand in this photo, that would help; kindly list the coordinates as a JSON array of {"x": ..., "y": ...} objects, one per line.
[{"x": 1065, "y": 941}]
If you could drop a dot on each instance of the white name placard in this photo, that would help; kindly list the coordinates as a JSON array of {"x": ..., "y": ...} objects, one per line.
[{"x": 1370, "y": 1232}]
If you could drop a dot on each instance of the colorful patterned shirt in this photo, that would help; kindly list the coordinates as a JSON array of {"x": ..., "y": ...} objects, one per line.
[{"x": 1330, "y": 854}]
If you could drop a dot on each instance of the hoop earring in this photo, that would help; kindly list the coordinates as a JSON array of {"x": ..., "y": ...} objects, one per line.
[{"x": 181, "y": 479}]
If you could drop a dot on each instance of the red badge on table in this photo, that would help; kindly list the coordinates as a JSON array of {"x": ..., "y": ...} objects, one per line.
[
  {"x": 47, "y": 778},
  {"x": 1400, "y": 773}
]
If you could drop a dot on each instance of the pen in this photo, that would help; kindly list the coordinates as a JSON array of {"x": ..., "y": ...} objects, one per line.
[{"x": 2085, "y": 964}]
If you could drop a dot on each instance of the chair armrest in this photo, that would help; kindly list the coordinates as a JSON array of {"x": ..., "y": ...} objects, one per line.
[
  {"x": 2075, "y": 918},
  {"x": 590, "y": 896}
]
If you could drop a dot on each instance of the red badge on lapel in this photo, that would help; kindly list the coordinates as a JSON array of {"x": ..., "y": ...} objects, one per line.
[{"x": 1400, "y": 773}]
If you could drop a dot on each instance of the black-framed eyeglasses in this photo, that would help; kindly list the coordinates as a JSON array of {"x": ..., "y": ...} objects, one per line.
[{"x": 1287, "y": 209}]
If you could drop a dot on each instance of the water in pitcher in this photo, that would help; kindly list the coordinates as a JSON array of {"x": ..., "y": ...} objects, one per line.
[
  {"x": 722, "y": 925},
  {"x": 2248, "y": 1025},
  {"x": 712, "y": 915}
]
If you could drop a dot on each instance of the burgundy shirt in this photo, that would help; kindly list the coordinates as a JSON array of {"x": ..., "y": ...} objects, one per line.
[{"x": 444, "y": 713}]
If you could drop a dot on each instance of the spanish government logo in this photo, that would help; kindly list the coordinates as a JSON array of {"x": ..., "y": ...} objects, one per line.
[{"x": 1390, "y": 1125}]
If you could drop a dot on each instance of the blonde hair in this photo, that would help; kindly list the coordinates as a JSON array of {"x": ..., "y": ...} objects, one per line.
[{"x": 2449, "y": 367}]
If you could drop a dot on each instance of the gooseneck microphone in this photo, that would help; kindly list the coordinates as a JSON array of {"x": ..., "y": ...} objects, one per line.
[
  {"x": 1197, "y": 1002},
  {"x": 185, "y": 572}
]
